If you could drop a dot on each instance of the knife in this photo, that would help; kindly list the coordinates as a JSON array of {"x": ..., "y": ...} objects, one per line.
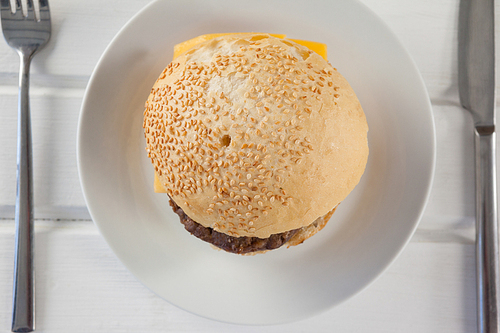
[{"x": 476, "y": 82}]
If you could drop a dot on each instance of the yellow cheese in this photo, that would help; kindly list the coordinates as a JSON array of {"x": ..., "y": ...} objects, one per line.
[
  {"x": 158, "y": 187},
  {"x": 319, "y": 48},
  {"x": 184, "y": 46},
  {"x": 180, "y": 48}
]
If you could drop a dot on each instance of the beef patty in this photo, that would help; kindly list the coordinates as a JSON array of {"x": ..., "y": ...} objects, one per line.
[{"x": 239, "y": 245}]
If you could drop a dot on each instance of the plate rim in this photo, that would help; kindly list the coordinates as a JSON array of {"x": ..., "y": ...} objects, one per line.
[{"x": 425, "y": 199}]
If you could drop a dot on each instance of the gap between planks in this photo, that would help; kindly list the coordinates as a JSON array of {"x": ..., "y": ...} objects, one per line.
[{"x": 457, "y": 234}]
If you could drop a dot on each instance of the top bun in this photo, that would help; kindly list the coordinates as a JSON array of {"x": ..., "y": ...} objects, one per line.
[{"x": 253, "y": 135}]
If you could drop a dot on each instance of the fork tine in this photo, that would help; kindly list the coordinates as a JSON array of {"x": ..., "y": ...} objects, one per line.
[
  {"x": 29, "y": 32},
  {"x": 31, "y": 9},
  {"x": 19, "y": 6}
]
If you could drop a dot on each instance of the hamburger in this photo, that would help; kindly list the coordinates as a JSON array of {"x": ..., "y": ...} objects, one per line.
[{"x": 256, "y": 139}]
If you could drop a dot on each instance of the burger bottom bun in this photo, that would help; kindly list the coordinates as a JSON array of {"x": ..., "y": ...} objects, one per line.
[{"x": 310, "y": 230}]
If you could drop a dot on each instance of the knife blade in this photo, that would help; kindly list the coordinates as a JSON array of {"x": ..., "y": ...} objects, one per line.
[
  {"x": 476, "y": 60},
  {"x": 476, "y": 81}
]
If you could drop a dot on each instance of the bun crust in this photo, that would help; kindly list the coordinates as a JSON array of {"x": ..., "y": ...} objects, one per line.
[{"x": 253, "y": 135}]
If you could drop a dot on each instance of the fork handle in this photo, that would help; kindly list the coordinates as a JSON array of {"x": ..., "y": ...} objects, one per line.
[
  {"x": 487, "y": 269},
  {"x": 23, "y": 293}
]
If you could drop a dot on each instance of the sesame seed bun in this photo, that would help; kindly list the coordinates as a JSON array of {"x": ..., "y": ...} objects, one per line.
[{"x": 253, "y": 135}]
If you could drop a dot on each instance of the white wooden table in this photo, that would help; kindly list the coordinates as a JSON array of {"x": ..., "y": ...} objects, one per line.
[{"x": 82, "y": 287}]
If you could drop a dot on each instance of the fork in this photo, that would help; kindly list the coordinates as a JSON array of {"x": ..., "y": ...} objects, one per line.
[{"x": 27, "y": 34}]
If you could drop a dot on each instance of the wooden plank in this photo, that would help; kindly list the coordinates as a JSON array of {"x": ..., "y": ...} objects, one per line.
[
  {"x": 81, "y": 285},
  {"x": 57, "y": 191},
  {"x": 82, "y": 32}
]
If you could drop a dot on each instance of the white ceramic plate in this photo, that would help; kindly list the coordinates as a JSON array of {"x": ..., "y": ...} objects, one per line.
[{"x": 365, "y": 235}]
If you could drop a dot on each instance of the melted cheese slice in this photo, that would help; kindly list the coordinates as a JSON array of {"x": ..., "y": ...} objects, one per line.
[
  {"x": 180, "y": 48},
  {"x": 184, "y": 46}
]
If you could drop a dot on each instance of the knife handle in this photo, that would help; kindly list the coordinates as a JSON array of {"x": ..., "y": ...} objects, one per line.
[{"x": 487, "y": 269}]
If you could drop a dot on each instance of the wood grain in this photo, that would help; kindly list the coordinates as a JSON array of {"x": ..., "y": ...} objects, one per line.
[
  {"x": 430, "y": 288},
  {"x": 82, "y": 287}
]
